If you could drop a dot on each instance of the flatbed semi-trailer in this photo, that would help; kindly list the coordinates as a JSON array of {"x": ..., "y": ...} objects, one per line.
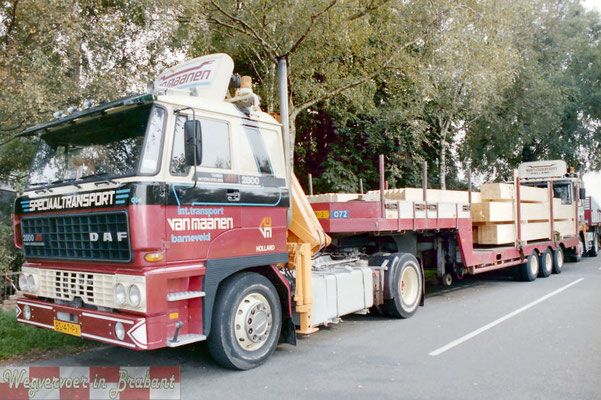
[
  {"x": 173, "y": 217},
  {"x": 405, "y": 226}
]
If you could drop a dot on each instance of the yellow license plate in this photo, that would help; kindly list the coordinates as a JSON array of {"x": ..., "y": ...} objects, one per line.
[{"x": 67, "y": 327}]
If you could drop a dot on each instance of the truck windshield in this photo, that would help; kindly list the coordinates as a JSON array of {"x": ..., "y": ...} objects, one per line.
[{"x": 108, "y": 145}]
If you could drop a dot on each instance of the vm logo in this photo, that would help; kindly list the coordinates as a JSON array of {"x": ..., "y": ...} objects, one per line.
[{"x": 265, "y": 228}]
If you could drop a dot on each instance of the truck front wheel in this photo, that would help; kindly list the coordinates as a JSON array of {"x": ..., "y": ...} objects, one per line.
[
  {"x": 407, "y": 288},
  {"x": 246, "y": 323}
]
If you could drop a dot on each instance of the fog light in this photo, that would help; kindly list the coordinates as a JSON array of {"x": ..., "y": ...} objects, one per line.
[
  {"x": 119, "y": 331},
  {"x": 134, "y": 295},
  {"x": 120, "y": 294},
  {"x": 23, "y": 283},
  {"x": 155, "y": 256},
  {"x": 31, "y": 286},
  {"x": 27, "y": 312}
]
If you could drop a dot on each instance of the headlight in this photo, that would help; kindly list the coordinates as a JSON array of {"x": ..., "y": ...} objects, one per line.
[
  {"x": 134, "y": 295},
  {"x": 31, "y": 286},
  {"x": 119, "y": 331},
  {"x": 23, "y": 283},
  {"x": 120, "y": 294}
]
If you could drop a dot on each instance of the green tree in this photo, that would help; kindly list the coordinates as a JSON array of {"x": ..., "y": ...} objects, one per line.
[
  {"x": 552, "y": 109},
  {"x": 334, "y": 49}
]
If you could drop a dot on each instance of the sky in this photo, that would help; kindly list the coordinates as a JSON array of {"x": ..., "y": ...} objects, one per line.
[{"x": 592, "y": 4}]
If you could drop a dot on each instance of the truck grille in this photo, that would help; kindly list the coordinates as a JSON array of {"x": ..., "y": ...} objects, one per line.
[
  {"x": 90, "y": 236},
  {"x": 93, "y": 289}
]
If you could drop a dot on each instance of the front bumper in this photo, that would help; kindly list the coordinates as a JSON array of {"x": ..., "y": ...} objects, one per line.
[{"x": 141, "y": 333}]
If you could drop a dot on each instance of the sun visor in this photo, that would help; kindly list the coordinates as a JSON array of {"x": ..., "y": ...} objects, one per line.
[{"x": 207, "y": 77}]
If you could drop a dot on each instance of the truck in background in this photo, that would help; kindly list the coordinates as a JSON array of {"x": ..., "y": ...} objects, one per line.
[
  {"x": 171, "y": 217},
  {"x": 591, "y": 230}
]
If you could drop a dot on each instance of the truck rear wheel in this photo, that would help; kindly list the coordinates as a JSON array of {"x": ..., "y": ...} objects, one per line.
[
  {"x": 407, "y": 288},
  {"x": 529, "y": 270},
  {"x": 558, "y": 260},
  {"x": 546, "y": 264},
  {"x": 246, "y": 323}
]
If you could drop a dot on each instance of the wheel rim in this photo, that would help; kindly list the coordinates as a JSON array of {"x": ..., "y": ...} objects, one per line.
[
  {"x": 253, "y": 322},
  {"x": 534, "y": 265},
  {"x": 559, "y": 259},
  {"x": 409, "y": 286},
  {"x": 548, "y": 261}
]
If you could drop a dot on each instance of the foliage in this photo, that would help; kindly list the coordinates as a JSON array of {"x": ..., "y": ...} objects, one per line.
[
  {"x": 478, "y": 83},
  {"x": 551, "y": 110},
  {"x": 19, "y": 340}
]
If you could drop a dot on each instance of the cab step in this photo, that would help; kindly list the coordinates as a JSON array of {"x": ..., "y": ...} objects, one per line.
[
  {"x": 186, "y": 339},
  {"x": 176, "y": 296}
]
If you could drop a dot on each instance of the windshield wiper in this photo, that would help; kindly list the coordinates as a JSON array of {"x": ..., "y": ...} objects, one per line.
[
  {"x": 41, "y": 189},
  {"x": 98, "y": 176},
  {"x": 68, "y": 181}
]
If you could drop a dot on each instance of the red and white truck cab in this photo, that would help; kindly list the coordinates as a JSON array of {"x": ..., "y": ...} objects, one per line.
[{"x": 129, "y": 225}]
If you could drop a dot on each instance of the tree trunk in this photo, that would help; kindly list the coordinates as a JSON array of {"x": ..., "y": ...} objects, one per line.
[
  {"x": 443, "y": 155},
  {"x": 443, "y": 164}
]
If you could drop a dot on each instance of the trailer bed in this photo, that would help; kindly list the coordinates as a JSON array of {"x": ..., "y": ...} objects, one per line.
[{"x": 340, "y": 218}]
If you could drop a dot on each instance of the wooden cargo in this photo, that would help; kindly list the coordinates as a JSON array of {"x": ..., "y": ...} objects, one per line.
[
  {"x": 506, "y": 233},
  {"x": 332, "y": 197},
  {"x": 563, "y": 211},
  {"x": 433, "y": 196},
  {"x": 565, "y": 228},
  {"x": 505, "y": 192},
  {"x": 497, "y": 211}
]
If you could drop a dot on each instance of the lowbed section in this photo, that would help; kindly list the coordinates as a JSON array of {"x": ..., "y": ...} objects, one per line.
[{"x": 397, "y": 217}]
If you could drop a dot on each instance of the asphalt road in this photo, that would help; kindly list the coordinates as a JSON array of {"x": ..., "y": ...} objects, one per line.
[{"x": 538, "y": 340}]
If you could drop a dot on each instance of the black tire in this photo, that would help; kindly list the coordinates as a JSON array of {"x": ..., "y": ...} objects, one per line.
[
  {"x": 407, "y": 275},
  {"x": 447, "y": 280},
  {"x": 576, "y": 254},
  {"x": 241, "y": 296},
  {"x": 545, "y": 264},
  {"x": 529, "y": 270},
  {"x": 594, "y": 251},
  {"x": 558, "y": 260}
]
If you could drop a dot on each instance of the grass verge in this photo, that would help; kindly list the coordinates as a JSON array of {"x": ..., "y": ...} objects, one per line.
[{"x": 21, "y": 341}]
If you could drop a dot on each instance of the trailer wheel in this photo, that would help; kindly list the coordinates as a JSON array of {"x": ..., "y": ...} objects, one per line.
[
  {"x": 246, "y": 323},
  {"x": 558, "y": 260},
  {"x": 529, "y": 270},
  {"x": 546, "y": 264},
  {"x": 447, "y": 279},
  {"x": 594, "y": 251},
  {"x": 407, "y": 288}
]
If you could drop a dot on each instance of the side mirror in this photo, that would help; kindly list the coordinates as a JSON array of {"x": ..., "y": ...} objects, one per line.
[
  {"x": 193, "y": 142},
  {"x": 582, "y": 193}
]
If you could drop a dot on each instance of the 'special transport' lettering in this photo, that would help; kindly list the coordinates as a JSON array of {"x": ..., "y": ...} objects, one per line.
[{"x": 83, "y": 200}]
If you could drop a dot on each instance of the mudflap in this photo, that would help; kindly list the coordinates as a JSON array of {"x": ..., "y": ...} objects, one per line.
[
  {"x": 288, "y": 333},
  {"x": 422, "y": 301}
]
